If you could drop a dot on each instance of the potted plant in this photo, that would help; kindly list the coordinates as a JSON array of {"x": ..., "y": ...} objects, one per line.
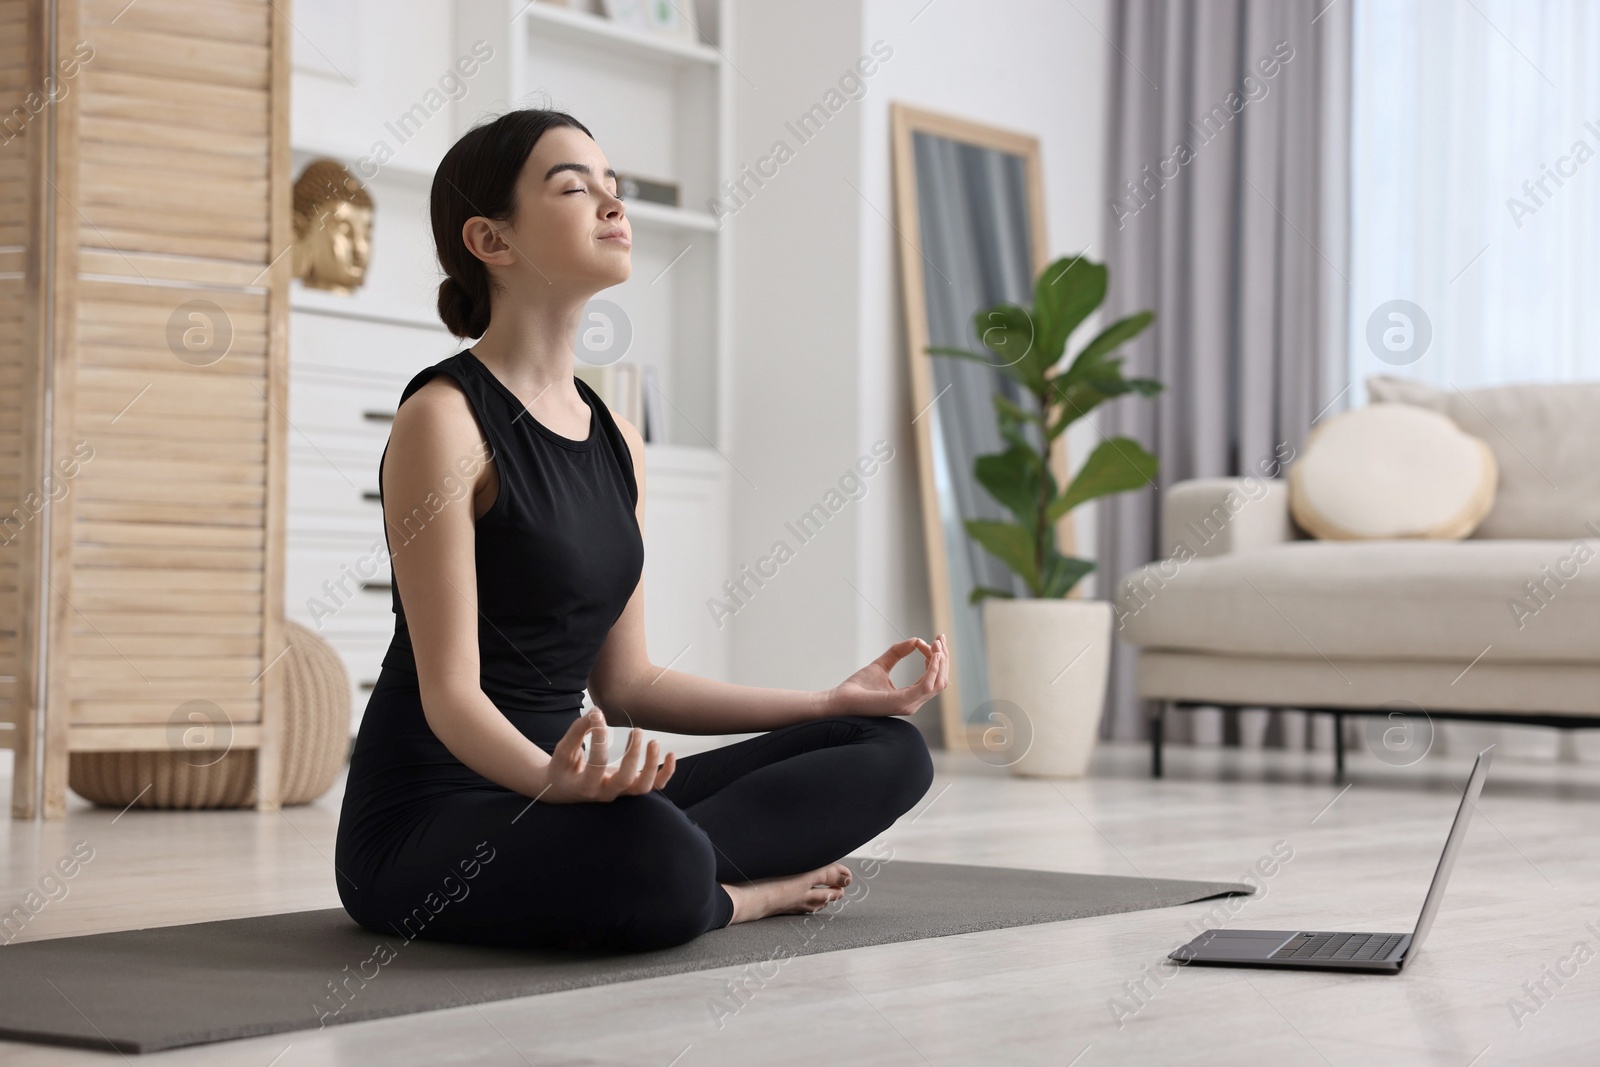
[{"x": 1048, "y": 656}]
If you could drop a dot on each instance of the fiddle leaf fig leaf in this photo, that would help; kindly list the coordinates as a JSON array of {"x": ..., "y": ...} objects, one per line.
[
  {"x": 1010, "y": 409},
  {"x": 1117, "y": 333},
  {"x": 1066, "y": 293},
  {"x": 1008, "y": 331},
  {"x": 1061, "y": 573},
  {"x": 1012, "y": 478},
  {"x": 1012, "y": 420},
  {"x": 1115, "y": 466},
  {"x": 1008, "y": 542}
]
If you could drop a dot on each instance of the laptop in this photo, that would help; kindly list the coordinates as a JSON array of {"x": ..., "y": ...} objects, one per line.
[{"x": 1321, "y": 950}]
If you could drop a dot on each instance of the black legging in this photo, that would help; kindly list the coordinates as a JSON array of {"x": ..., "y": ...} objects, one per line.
[{"x": 490, "y": 866}]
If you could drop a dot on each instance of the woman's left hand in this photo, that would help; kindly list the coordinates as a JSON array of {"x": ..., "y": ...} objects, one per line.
[{"x": 870, "y": 692}]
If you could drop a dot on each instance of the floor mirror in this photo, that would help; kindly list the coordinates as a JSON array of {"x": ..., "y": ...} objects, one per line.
[{"x": 969, "y": 207}]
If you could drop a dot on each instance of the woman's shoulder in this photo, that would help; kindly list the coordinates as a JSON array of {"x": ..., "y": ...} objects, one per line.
[
  {"x": 436, "y": 409},
  {"x": 450, "y": 369}
]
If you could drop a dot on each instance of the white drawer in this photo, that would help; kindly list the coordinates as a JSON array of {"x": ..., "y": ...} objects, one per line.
[
  {"x": 341, "y": 415},
  {"x": 343, "y": 499},
  {"x": 342, "y": 588},
  {"x": 377, "y": 352}
]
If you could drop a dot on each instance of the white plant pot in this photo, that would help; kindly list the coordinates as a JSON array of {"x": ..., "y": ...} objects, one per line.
[{"x": 1048, "y": 660}]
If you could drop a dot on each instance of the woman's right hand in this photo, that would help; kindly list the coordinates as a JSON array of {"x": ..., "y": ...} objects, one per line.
[{"x": 573, "y": 778}]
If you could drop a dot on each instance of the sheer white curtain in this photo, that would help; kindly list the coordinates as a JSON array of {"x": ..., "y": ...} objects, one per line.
[{"x": 1475, "y": 190}]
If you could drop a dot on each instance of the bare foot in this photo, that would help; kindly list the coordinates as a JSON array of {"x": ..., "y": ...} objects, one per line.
[{"x": 794, "y": 894}]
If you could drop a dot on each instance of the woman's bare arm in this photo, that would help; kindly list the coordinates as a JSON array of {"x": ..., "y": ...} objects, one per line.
[{"x": 428, "y": 509}]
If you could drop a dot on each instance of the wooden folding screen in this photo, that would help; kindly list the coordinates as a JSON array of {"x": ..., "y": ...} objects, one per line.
[
  {"x": 151, "y": 217},
  {"x": 22, "y": 156}
]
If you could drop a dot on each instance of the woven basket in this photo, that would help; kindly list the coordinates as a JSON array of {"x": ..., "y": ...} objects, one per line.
[{"x": 316, "y": 737}]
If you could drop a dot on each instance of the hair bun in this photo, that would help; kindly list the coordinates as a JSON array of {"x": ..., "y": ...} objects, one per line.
[{"x": 462, "y": 315}]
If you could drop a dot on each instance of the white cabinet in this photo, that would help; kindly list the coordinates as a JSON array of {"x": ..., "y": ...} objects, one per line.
[{"x": 346, "y": 375}]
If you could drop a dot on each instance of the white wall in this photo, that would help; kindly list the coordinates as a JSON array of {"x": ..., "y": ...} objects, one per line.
[
  {"x": 820, "y": 354},
  {"x": 360, "y": 65},
  {"x": 795, "y": 425}
]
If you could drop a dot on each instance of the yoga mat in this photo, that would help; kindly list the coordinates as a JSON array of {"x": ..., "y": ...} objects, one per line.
[{"x": 169, "y": 986}]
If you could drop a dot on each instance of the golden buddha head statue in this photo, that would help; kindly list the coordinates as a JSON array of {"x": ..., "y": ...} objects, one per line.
[{"x": 332, "y": 227}]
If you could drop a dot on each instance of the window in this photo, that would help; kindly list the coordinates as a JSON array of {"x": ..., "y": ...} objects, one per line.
[{"x": 1475, "y": 191}]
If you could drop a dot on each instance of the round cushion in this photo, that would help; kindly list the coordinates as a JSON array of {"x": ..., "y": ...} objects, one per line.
[
  {"x": 1391, "y": 471},
  {"x": 315, "y": 741}
]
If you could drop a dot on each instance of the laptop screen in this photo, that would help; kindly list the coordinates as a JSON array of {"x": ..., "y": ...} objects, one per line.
[{"x": 1452, "y": 845}]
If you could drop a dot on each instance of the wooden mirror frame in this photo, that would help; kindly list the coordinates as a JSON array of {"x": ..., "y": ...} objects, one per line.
[{"x": 906, "y": 120}]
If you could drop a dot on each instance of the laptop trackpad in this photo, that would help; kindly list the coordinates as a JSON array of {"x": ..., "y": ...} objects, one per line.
[{"x": 1233, "y": 946}]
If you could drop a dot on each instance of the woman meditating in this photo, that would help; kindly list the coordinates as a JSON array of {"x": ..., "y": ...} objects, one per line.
[{"x": 513, "y": 503}]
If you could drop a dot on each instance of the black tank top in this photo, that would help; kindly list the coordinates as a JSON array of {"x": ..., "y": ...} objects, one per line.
[{"x": 558, "y": 552}]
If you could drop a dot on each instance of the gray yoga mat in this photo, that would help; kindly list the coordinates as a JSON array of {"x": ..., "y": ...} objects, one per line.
[{"x": 168, "y": 986}]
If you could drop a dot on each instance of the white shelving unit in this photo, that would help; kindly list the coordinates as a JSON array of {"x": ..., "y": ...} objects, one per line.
[
  {"x": 661, "y": 108},
  {"x": 580, "y": 27}
]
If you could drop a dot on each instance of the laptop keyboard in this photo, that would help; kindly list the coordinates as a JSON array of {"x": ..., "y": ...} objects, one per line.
[{"x": 1338, "y": 947}]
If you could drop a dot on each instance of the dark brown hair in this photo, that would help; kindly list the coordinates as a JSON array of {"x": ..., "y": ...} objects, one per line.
[{"x": 478, "y": 176}]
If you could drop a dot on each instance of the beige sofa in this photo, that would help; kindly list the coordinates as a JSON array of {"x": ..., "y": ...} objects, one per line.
[{"x": 1244, "y": 610}]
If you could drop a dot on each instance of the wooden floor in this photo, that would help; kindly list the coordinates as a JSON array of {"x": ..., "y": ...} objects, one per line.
[{"x": 1085, "y": 992}]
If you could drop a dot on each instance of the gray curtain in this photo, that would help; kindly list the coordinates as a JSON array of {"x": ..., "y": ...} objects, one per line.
[
  {"x": 972, "y": 206},
  {"x": 1228, "y": 217}
]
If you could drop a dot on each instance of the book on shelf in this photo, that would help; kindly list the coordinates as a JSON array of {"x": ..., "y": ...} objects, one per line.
[
  {"x": 655, "y": 420},
  {"x": 622, "y": 386},
  {"x": 648, "y": 190}
]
